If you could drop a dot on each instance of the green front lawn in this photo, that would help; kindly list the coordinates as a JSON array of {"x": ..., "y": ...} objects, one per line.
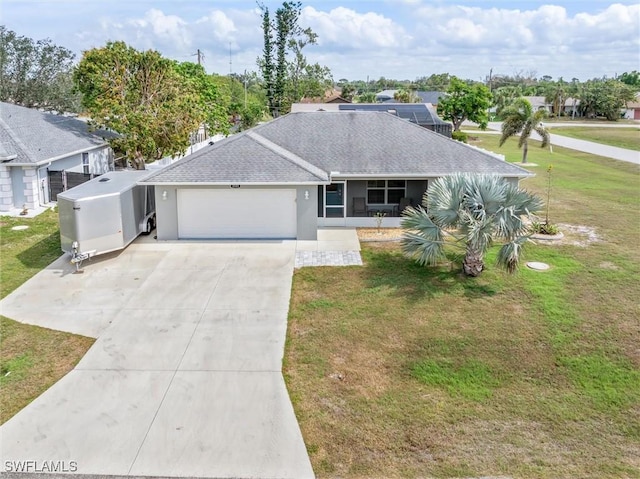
[
  {"x": 621, "y": 137},
  {"x": 31, "y": 358},
  {"x": 401, "y": 371}
]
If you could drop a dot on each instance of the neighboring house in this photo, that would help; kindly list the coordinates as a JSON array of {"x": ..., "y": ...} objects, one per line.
[
  {"x": 632, "y": 110},
  {"x": 432, "y": 97},
  {"x": 287, "y": 177},
  {"x": 421, "y": 114},
  {"x": 331, "y": 96},
  {"x": 540, "y": 103},
  {"x": 42, "y": 154}
]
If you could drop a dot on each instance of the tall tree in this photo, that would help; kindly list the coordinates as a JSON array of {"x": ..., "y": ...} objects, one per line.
[
  {"x": 406, "y": 96},
  {"x": 435, "y": 82},
  {"x": 604, "y": 97},
  {"x": 473, "y": 210},
  {"x": 141, "y": 96},
  {"x": 465, "y": 102},
  {"x": 266, "y": 61},
  {"x": 285, "y": 38},
  {"x": 36, "y": 73},
  {"x": 556, "y": 94},
  {"x": 504, "y": 96},
  {"x": 519, "y": 118},
  {"x": 206, "y": 92},
  {"x": 631, "y": 78},
  {"x": 366, "y": 97}
]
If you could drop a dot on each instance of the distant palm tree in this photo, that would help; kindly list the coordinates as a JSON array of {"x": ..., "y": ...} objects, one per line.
[
  {"x": 473, "y": 210},
  {"x": 504, "y": 96},
  {"x": 556, "y": 94},
  {"x": 406, "y": 96},
  {"x": 519, "y": 118}
]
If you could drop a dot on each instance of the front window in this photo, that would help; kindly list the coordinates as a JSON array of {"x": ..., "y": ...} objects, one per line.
[{"x": 380, "y": 192}]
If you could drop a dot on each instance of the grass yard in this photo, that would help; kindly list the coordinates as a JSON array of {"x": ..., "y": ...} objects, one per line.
[
  {"x": 396, "y": 370},
  {"x": 31, "y": 358},
  {"x": 621, "y": 137}
]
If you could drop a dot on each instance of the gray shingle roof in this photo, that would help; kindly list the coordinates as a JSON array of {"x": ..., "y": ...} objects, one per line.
[
  {"x": 351, "y": 143},
  {"x": 419, "y": 113},
  {"x": 242, "y": 158},
  {"x": 378, "y": 143},
  {"x": 35, "y": 137}
]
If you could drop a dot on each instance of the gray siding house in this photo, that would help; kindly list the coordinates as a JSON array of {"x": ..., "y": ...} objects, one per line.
[
  {"x": 287, "y": 177},
  {"x": 40, "y": 151}
]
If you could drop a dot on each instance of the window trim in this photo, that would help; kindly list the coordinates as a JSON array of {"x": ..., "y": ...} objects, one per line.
[
  {"x": 85, "y": 163},
  {"x": 386, "y": 188}
]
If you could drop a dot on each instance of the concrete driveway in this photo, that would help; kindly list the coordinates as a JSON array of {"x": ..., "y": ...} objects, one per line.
[{"x": 185, "y": 376}]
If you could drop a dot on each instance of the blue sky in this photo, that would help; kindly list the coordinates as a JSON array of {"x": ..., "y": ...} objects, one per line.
[{"x": 400, "y": 39}]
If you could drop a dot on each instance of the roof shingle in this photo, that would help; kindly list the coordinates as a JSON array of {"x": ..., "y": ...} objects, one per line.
[
  {"x": 34, "y": 136},
  {"x": 352, "y": 143}
]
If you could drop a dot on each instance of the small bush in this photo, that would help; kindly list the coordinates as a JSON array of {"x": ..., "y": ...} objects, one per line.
[
  {"x": 460, "y": 136},
  {"x": 544, "y": 228}
]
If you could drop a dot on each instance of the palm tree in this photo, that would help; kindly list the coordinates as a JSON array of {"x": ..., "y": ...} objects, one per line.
[
  {"x": 504, "y": 96},
  {"x": 473, "y": 210},
  {"x": 519, "y": 117},
  {"x": 556, "y": 94}
]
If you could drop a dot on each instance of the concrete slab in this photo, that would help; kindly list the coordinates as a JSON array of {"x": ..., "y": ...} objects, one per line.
[
  {"x": 261, "y": 297},
  {"x": 96, "y": 419},
  {"x": 232, "y": 340},
  {"x": 225, "y": 424},
  {"x": 143, "y": 340},
  {"x": 175, "y": 289},
  {"x": 85, "y": 322},
  {"x": 184, "y": 378}
]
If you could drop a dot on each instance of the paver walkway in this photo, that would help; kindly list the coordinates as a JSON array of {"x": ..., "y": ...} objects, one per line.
[{"x": 334, "y": 247}]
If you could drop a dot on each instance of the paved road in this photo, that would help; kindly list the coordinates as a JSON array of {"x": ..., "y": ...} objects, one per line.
[
  {"x": 185, "y": 376},
  {"x": 607, "y": 151}
]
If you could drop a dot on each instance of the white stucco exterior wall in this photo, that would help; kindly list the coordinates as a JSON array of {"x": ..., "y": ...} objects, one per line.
[{"x": 6, "y": 189}]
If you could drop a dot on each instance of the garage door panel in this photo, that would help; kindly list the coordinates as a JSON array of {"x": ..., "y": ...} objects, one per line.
[{"x": 236, "y": 213}]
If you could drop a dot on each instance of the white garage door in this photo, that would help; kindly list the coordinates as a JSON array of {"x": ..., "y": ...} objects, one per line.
[{"x": 236, "y": 213}]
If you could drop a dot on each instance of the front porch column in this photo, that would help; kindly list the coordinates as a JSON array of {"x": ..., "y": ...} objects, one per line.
[
  {"x": 6, "y": 189},
  {"x": 31, "y": 198}
]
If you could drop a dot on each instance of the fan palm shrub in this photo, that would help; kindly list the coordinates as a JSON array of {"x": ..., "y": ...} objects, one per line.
[{"x": 469, "y": 212}]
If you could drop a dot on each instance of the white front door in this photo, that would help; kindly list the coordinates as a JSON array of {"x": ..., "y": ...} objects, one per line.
[{"x": 239, "y": 213}]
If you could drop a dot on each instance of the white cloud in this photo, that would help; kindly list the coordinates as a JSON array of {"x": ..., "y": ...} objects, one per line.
[
  {"x": 391, "y": 38},
  {"x": 347, "y": 29},
  {"x": 168, "y": 29}
]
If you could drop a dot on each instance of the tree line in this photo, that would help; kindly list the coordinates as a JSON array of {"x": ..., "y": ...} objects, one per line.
[{"x": 156, "y": 103}]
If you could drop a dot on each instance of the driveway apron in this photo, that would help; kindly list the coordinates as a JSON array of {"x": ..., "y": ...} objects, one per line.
[{"x": 185, "y": 376}]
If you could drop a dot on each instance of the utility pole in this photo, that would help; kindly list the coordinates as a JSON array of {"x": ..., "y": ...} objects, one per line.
[
  {"x": 230, "y": 67},
  {"x": 200, "y": 56},
  {"x": 490, "y": 78}
]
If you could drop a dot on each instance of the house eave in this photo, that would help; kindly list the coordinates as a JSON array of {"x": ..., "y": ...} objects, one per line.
[
  {"x": 55, "y": 158},
  {"x": 232, "y": 184},
  {"x": 400, "y": 176}
]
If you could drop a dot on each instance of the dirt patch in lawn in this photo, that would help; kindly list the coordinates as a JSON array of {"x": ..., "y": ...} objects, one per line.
[
  {"x": 382, "y": 234},
  {"x": 575, "y": 235}
]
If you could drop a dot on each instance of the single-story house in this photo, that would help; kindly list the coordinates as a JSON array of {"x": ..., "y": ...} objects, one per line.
[
  {"x": 541, "y": 103},
  {"x": 42, "y": 154},
  {"x": 423, "y": 114},
  {"x": 287, "y": 177},
  {"x": 632, "y": 109}
]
